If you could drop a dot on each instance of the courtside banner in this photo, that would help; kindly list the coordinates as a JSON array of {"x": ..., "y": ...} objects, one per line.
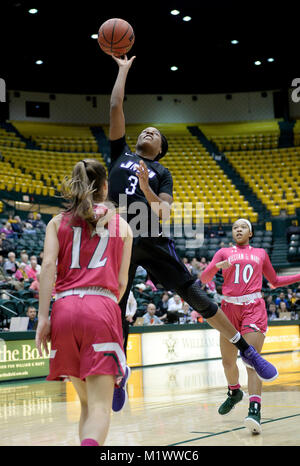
[
  {"x": 169, "y": 347},
  {"x": 282, "y": 338},
  {"x": 134, "y": 350},
  {"x": 20, "y": 359}
]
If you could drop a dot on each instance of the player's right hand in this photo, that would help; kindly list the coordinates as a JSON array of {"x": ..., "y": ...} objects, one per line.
[
  {"x": 223, "y": 265},
  {"x": 124, "y": 62}
]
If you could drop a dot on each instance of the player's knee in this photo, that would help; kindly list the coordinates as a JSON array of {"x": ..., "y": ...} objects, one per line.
[
  {"x": 210, "y": 311},
  {"x": 198, "y": 300}
]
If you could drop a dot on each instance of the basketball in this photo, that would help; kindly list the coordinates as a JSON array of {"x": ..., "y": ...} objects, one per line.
[{"x": 116, "y": 37}]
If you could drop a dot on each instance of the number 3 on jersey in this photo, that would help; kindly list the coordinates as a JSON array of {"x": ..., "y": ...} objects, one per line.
[
  {"x": 246, "y": 275},
  {"x": 133, "y": 184},
  {"x": 96, "y": 259}
]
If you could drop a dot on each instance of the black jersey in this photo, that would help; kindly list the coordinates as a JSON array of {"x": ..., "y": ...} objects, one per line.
[{"x": 123, "y": 180}]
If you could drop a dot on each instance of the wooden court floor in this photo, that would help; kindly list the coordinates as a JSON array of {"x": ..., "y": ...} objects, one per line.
[{"x": 167, "y": 406}]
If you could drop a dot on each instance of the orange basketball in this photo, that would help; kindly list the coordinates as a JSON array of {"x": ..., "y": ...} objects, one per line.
[{"x": 116, "y": 37}]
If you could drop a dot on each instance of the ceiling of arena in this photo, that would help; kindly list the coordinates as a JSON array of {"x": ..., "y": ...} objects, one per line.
[{"x": 59, "y": 34}]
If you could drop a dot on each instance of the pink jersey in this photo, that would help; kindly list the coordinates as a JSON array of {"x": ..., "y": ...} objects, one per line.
[
  {"x": 85, "y": 260},
  {"x": 245, "y": 275}
]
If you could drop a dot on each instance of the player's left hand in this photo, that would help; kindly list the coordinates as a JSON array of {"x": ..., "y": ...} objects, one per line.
[
  {"x": 42, "y": 336},
  {"x": 143, "y": 176}
]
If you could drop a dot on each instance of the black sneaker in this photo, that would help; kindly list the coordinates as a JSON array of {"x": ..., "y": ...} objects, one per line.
[{"x": 234, "y": 397}]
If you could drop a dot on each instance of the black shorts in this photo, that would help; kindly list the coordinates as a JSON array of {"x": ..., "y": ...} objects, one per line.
[{"x": 158, "y": 256}]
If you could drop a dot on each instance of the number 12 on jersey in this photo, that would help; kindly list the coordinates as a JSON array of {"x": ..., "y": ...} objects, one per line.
[{"x": 97, "y": 257}]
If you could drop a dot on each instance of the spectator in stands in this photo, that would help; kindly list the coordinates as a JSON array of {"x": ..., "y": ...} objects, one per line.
[
  {"x": 131, "y": 308},
  {"x": 9, "y": 232},
  {"x": 17, "y": 225},
  {"x": 298, "y": 291},
  {"x": 141, "y": 272},
  {"x": 221, "y": 231},
  {"x": 10, "y": 265},
  {"x": 269, "y": 300},
  {"x": 35, "y": 286},
  {"x": 142, "y": 291},
  {"x": 185, "y": 317},
  {"x": 39, "y": 222},
  {"x": 150, "y": 318},
  {"x": 187, "y": 264},
  {"x": 4, "y": 247},
  {"x": 24, "y": 257},
  {"x": 162, "y": 306},
  {"x": 33, "y": 269},
  {"x": 6, "y": 279},
  {"x": 30, "y": 218},
  {"x": 175, "y": 303},
  {"x": 28, "y": 229},
  {"x": 40, "y": 258},
  {"x": 195, "y": 266},
  {"x": 209, "y": 232},
  {"x": 161, "y": 314},
  {"x": 289, "y": 293},
  {"x": 8, "y": 243},
  {"x": 294, "y": 301},
  {"x": 151, "y": 284},
  {"x": 21, "y": 273},
  {"x": 203, "y": 263},
  {"x": 3, "y": 277},
  {"x": 272, "y": 311},
  {"x": 283, "y": 311},
  {"x": 281, "y": 298},
  {"x": 31, "y": 313},
  {"x": 295, "y": 306}
]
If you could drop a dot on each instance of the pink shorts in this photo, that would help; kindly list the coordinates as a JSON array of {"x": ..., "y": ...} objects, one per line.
[
  {"x": 86, "y": 338},
  {"x": 247, "y": 318}
]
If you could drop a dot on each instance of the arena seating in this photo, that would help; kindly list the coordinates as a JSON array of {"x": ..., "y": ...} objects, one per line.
[
  {"x": 58, "y": 137},
  {"x": 10, "y": 139},
  {"x": 273, "y": 175},
  {"x": 250, "y": 135},
  {"x": 40, "y": 171},
  {"x": 271, "y": 172}
]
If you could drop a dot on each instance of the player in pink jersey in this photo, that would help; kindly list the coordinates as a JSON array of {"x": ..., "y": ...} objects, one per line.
[
  {"x": 89, "y": 246},
  {"x": 243, "y": 268}
]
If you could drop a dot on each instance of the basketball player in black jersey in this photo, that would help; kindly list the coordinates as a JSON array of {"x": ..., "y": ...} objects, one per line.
[{"x": 138, "y": 176}]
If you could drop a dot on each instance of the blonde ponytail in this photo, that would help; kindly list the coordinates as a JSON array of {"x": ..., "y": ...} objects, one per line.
[{"x": 88, "y": 178}]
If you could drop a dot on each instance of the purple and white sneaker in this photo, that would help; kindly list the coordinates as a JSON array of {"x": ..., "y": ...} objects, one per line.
[
  {"x": 264, "y": 369},
  {"x": 120, "y": 392}
]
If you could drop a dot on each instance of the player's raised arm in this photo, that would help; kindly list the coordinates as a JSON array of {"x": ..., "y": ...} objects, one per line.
[{"x": 117, "y": 119}]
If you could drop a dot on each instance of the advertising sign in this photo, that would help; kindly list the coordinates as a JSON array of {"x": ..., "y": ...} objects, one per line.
[{"x": 20, "y": 359}]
